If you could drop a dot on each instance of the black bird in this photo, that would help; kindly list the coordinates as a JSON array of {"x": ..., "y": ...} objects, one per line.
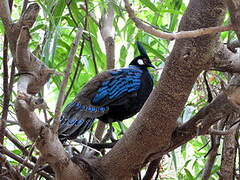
[{"x": 110, "y": 96}]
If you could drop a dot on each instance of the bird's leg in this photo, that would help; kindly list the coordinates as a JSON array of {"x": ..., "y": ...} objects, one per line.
[
  {"x": 109, "y": 134},
  {"x": 111, "y": 129}
]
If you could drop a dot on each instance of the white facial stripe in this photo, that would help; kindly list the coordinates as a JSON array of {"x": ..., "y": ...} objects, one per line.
[{"x": 140, "y": 62}]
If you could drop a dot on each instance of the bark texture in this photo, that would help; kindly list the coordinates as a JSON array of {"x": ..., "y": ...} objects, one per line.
[
  {"x": 152, "y": 130},
  {"x": 155, "y": 131},
  {"x": 227, "y": 168}
]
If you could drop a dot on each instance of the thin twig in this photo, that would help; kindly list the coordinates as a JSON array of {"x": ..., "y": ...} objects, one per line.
[
  {"x": 91, "y": 43},
  {"x": 223, "y": 133},
  {"x": 76, "y": 72},
  {"x": 177, "y": 35},
  {"x": 6, "y": 90},
  {"x": 65, "y": 79},
  {"x": 90, "y": 14},
  {"x": 13, "y": 173},
  {"x": 22, "y": 161},
  {"x": 213, "y": 152},
  {"x": 30, "y": 152},
  {"x": 6, "y": 98},
  {"x": 17, "y": 143},
  {"x": 6, "y": 93},
  {"x": 78, "y": 64}
]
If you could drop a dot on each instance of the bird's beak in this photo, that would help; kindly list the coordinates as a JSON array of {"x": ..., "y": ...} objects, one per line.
[{"x": 150, "y": 65}]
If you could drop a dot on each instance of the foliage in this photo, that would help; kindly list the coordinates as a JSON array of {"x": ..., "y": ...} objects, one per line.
[{"x": 53, "y": 34}]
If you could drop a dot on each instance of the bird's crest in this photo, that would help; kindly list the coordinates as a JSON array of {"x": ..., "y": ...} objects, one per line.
[{"x": 141, "y": 49}]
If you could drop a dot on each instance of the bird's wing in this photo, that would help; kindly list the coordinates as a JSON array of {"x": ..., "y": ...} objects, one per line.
[
  {"x": 123, "y": 83},
  {"x": 111, "y": 87}
]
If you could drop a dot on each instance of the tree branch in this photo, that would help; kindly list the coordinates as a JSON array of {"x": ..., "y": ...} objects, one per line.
[
  {"x": 106, "y": 29},
  {"x": 223, "y": 133},
  {"x": 228, "y": 162},
  {"x": 153, "y": 128},
  {"x": 223, "y": 105},
  {"x": 65, "y": 79},
  {"x": 215, "y": 142},
  {"x": 153, "y": 166},
  {"x": 22, "y": 161},
  {"x": 234, "y": 8},
  {"x": 177, "y": 35},
  {"x": 226, "y": 61},
  {"x": 33, "y": 75},
  {"x": 5, "y": 13},
  {"x": 13, "y": 173}
]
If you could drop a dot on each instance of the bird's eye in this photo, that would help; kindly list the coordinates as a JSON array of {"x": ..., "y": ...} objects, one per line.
[{"x": 140, "y": 62}]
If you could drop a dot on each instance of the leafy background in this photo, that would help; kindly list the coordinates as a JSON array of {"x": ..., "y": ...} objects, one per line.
[{"x": 52, "y": 36}]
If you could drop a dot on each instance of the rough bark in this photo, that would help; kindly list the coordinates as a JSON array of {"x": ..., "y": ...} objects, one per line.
[
  {"x": 155, "y": 131},
  {"x": 153, "y": 128},
  {"x": 213, "y": 152},
  {"x": 33, "y": 75},
  {"x": 227, "y": 168}
]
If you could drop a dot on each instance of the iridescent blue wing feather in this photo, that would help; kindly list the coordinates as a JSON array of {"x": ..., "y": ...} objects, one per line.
[{"x": 123, "y": 81}]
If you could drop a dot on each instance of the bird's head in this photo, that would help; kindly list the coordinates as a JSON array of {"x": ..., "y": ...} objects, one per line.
[{"x": 142, "y": 60}]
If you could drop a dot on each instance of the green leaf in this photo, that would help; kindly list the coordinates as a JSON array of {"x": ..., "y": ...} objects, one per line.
[
  {"x": 150, "y": 5},
  {"x": 174, "y": 158},
  {"x": 75, "y": 12},
  {"x": 189, "y": 175},
  {"x": 123, "y": 55},
  {"x": 58, "y": 10},
  {"x": 183, "y": 150},
  {"x": 154, "y": 51}
]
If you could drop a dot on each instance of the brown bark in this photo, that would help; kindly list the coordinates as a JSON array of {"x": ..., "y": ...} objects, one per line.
[
  {"x": 227, "y": 168},
  {"x": 33, "y": 75},
  {"x": 154, "y": 132},
  {"x": 153, "y": 128},
  {"x": 213, "y": 152},
  {"x": 106, "y": 28}
]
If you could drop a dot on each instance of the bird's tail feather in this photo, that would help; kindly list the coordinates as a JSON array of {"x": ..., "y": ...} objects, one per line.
[{"x": 71, "y": 128}]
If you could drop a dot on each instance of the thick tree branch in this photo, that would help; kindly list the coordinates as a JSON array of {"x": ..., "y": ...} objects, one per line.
[
  {"x": 33, "y": 75},
  {"x": 153, "y": 128},
  {"x": 223, "y": 105},
  {"x": 172, "y": 36},
  {"x": 46, "y": 140},
  {"x": 225, "y": 60}
]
